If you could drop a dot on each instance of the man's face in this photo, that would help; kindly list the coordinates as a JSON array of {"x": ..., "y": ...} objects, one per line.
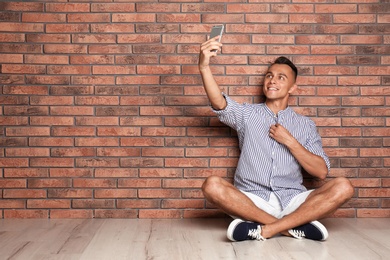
[{"x": 279, "y": 82}]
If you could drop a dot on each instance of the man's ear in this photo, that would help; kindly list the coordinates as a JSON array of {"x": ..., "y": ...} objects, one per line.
[{"x": 293, "y": 88}]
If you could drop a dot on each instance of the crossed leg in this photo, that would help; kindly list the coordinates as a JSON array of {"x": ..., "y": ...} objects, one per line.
[{"x": 320, "y": 203}]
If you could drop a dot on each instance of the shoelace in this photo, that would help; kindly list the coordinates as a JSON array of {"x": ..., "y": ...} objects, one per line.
[
  {"x": 297, "y": 233},
  {"x": 256, "y": 233}
]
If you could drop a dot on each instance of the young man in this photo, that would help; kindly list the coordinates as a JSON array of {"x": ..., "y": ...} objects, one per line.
[{"x": 268, "y": 197}]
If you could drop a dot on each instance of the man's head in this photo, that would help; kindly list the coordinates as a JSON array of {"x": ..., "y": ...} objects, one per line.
[
  {"x": 286, "y": 61},
  {"x": 279, "y": 81}
]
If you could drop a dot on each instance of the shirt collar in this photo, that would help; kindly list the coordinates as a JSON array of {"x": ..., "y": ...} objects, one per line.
[{"x": 280, "y": 113}]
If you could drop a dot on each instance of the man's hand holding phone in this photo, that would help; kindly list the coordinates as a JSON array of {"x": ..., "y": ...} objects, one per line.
[{"x": 210, "y": 48}]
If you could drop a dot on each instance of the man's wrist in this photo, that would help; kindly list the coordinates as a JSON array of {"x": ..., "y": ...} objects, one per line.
[{"x": 204, "y": 68}]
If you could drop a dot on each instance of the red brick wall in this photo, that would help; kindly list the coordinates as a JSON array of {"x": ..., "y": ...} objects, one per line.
[{"x": 103, "y": 113}]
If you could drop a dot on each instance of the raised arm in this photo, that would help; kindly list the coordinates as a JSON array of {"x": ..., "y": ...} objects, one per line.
[{"x": 210, "y": 49}]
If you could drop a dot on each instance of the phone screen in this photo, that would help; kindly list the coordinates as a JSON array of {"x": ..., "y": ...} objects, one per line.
[{"x": 217, "y": 30}]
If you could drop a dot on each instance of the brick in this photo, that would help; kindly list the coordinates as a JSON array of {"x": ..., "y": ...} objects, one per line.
[
  {"x": 374, "y": 172},
  {"x": 9, "y": 17},
  {"x": 360, "y": 162},
  {"x": 27, "y": 152},
  {"x": 142, "y": 162},
  {"x": 247, "y": 8},
  {"x": 67, "y": 7},
  {"x": 133, "y": 18},
  {"x": 69, "y": 193},
  {"x": 373, "y": 213},
  {"x": 139, "y": 183},
  {"x": 46, "y": 59},
  {"x": 336, "y": 8},
  {"x": 25, "y": 90},
  {"x": 11, "y": 58},
  {"x": 19, "y": 27},
  {"x": 67, "y": 28},
  {"x": 65, "y": 48},
  {"x": 23, "y": 193},
  {"x": 115, "y": 193},
  {"x": 92, "y": 204},
  {"x": 12, "y": 204},
  {"x": 72, "y": 152},
  {"x": 123, "y": 152},
  {"x": 265, "y": 18},
  {"x": 49, "y": 183},
  {"x": 95, "y": 121},
  {"x": 48, "y": 204},
  {"x": 182, "y": 204},
  {"x": 138, "y": 203},
  {"x": 208, "y": 213},
  {"x": 363, "y": 101},
  {"x": 363, "y": 121},
  {"x": 93, "y": 18},
  {"x": 19, "y": 183},
  {"x": 71, "y": 213},
  {"x": 51, "y": 162},
  {"x": 119, "y": 173},
  {"x": 113, "y": 70},
  {"x": 186, "y": 162},
  {"x": 360, "y": 39},
  {"x": 183, "y": 183},
  {"x": 162, "y": 131},
  {"x": 142, "y": 101},
  {"x": 158, "y": 193},
  {"x": 18, "y": 69},
  {"x": 43, "y": 17},
  {"x": 324, "y": 49},
  {"x": 97, "y": 162},
  {"x": 68, "y": 69},
  {"x": 21, "y": 48},
  {"x": 28, "y": 131},
  {"x": 122, "y": 214},
  {"x": 186, "y": 141},
  {"x": 159, "y": 214},
  {"x": 25, "y": 172},
  {"x": 223, "y": 162},
  {"x": 178, "y": 18},
  {"x": 71, "y": 172},
  {"x": 360, "y": 142},
  {"x": 8, "y": 37},
  {"x": 25, "y": 214},
  {"x": 50, "y": 120},
  {"x": 13, "y": 162},
  {"x": 354, "y": 18},
  {"x": 162, "y": 152},
  {"x": 47, "y": 141}
]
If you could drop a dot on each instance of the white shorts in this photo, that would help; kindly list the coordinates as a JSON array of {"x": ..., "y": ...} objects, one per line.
[{"x": 273, "y": 206}]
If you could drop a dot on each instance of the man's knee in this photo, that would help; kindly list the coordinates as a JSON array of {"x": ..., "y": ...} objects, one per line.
[
  {"x": 344, "y": 188},
  {"x": 210, "y": 184}
]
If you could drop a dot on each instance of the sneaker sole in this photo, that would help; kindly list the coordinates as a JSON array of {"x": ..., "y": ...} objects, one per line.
[
  {"x": 231, "y": 228},
  {"x": 321, "y": 228}
]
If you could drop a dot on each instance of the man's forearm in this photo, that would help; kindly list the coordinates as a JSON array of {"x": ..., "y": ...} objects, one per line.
[
  {"x": 211, "y": 87},
  {"x": 312, "y": 163}
]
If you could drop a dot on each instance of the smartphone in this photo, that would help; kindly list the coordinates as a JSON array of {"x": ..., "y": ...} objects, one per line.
[{"x": 217, "y": 30}]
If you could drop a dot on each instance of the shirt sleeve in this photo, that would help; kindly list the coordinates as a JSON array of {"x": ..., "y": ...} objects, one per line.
[
  {"x": 232, "y": 115},
  {"x": 314, "y": 144}
]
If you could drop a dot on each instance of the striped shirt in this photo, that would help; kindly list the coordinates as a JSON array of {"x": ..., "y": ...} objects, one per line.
[{"x": 265, "y": 165}]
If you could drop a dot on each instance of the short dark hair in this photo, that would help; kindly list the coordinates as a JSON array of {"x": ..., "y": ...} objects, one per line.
[{"x": 286, "y": 61}]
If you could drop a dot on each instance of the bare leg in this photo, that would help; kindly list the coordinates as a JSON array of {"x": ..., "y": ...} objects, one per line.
[
  {"x": 228, "y": 198},
  {"x": 321, "y": 202}
]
